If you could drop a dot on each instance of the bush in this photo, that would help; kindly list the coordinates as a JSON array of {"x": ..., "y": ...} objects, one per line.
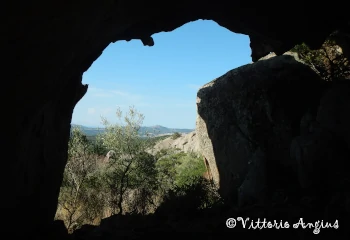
[
  {"x": 190, "y": 167},
  {"x": 76, "y": 204},
  {"x": 189, "y": 198},
  {"x": 175, "y": 135},
  {"x": 328, "y": 62},
  {"x": 161, "y": 153}
]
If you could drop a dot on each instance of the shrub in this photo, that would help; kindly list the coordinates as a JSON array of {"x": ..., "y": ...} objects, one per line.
[
  {"x": 328, "y": 62},
  {"x": 75, "y": 192},
  {"x": 175, "y": 135},
  {"x": 190, "y": 168},
  {"x": 189, "y": 198}
]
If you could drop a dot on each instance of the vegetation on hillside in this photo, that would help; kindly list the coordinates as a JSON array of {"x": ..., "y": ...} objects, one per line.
[
  {"x": 130, "y": 180},
  {"x": 92, "y": 132},
  {"x": 175, "y": 135}
]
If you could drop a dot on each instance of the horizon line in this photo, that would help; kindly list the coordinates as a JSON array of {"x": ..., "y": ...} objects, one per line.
[{"x": 90, "y": 126}]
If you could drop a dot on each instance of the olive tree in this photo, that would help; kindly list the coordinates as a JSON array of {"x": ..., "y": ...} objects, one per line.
[
  {"x": 75, "y": 191},
  {"x": 130, "y": 169}
]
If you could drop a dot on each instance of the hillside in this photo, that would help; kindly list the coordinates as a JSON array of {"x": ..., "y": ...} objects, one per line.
[
  {"x": 187, "y": 142},
  {"x": 88, "y": 131},
  {"x": 154, "y": 130},
  {"x": 160, "y": 130}
]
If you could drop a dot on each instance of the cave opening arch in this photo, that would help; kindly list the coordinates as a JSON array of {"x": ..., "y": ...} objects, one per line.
[{"x": 51, "y": 47}]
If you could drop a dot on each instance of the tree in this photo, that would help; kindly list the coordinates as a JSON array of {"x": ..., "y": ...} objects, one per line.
[
  {"x": 74, "y": 192},
  {"x": 130, "y": 168},
  {"x": 328, "y": 62},
  {"x": 175, "y": 135},
  {"x": 144, "y": 185}
]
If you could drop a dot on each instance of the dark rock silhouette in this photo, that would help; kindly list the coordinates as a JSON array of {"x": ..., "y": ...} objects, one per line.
[
  {"x": 49, "y": 45},
  {"x": 256, "y": 106}
]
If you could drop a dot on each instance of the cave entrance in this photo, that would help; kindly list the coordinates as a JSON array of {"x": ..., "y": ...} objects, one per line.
[{"x": 161, "y": 82}]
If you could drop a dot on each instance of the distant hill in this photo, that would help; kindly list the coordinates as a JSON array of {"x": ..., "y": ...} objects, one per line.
[
  {"x": 160, "y": 130},
  {"x": 154, "y": 130},
  {"x": 88, "y": 131}
]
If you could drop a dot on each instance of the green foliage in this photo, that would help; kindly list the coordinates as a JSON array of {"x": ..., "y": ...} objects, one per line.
[
  {"x": 131, "y": 180},
  {"x": 123, "y": 138},
  {"x": 175, "y": 135},
  {"x": 163, "y": 152},
  {"x": 74, "y": 193},
  {"x": 328, "y": 61},
  {"x": 178, "y": 169},
  {"x": 166, "y": 167},
  {"x": 78, "y": 144},
  {"x": 98, "y": 147},
  {"x": 130, "y": 168},
  {"x": 153, "y": 140},
  {"x": 189, "y": 198},
  {"x": 190, "y": 168}
]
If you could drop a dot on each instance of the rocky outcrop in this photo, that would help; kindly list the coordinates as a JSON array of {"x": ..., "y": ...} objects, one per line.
[
  {"x": 334, "y": 111},
  {"x": 186, "y": 143},
  {"x": 254, "y": 186},
  {"x": 49, "y": 45},
  {"x": 256, "y": 107},
  {"x": 322, "y": 150}
]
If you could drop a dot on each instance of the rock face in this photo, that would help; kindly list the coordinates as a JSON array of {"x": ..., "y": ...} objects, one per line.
[
  {"x": 249, "y": 116},
  {"x": 186, "y": 143},
  {"x": 49, "y": 45},
  {"x": 334, "y": 111},
  {"x": 322, "y": 150}
]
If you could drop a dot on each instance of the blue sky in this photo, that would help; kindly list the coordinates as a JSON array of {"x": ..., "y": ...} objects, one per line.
[{"x": 160, "y": 81}]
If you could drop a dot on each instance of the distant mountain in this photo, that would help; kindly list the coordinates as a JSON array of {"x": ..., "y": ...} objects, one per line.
[
  {"x": 88, "y": 131},
  {"x": 153, "y": 130},
  {"x": 160, "y": 130}
]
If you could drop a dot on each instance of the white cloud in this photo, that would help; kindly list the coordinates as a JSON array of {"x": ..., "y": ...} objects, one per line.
[
  {"x": 91, "y": 110},
  {"x": 119, "y": 93},
  {"x": 93, "y": 89},
  {"x": 99, "y": 92},
  {"x": 106, "y": 111},
  {"x": 103, "y": 95}
]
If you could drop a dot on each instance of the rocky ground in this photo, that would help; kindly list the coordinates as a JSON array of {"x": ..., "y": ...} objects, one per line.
[{"x": 211, "y": 223}]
